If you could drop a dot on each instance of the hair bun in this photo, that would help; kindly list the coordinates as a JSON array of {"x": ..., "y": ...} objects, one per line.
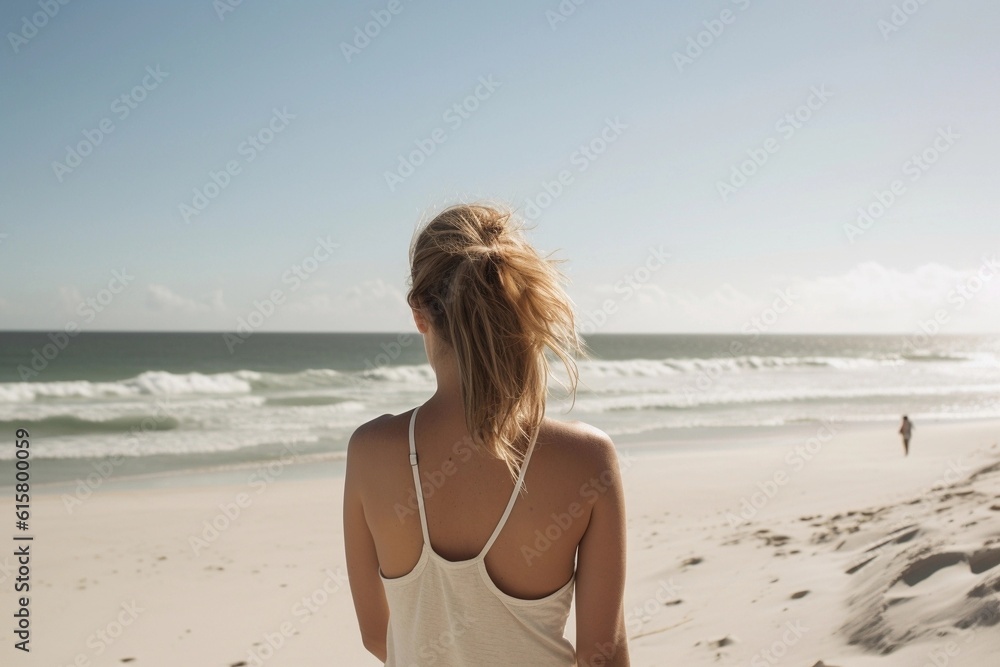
[{"x": 493, "y": 228}]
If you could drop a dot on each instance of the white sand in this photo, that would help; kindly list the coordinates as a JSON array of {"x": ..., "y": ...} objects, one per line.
[{"x": 935, "y": 550}]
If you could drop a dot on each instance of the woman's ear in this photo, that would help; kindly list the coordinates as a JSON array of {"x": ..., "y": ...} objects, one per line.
[{"x": 420, "y": 321}]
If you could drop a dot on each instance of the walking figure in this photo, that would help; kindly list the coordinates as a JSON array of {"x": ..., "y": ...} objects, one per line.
[{"x": 905, "y": 429}]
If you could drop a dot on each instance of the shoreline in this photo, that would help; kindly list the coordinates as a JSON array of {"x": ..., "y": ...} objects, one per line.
[{"x": 331, "y": 464}]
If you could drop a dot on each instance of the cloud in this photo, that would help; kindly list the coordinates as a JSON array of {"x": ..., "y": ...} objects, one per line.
[
  {"x": 872, "y": 297},
  {"x": 378, "y": 290},
  {"x": 162, "y": 299},
  {"x": 867, "y": 298},
  {"x": 371, "y": 305}
]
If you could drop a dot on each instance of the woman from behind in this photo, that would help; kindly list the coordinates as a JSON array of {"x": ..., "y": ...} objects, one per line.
[{"x": 470, "y": 521}]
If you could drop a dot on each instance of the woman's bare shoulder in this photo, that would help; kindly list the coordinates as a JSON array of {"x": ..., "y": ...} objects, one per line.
[
  {"x": 580, "y": 442},
  {"x": 372, "y": 441}
]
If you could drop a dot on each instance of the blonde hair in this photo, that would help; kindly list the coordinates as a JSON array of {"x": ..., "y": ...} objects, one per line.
[{"x": 500, "y": 306}]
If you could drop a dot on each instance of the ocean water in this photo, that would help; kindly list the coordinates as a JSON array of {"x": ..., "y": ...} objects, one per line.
[{"x": 165, "y": 401}]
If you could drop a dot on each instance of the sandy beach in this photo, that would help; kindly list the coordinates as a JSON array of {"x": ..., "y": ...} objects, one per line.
[{"x": 808, "y": 546}]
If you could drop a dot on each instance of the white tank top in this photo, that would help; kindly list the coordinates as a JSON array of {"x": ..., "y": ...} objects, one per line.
[{"x": 451, "y": 614}]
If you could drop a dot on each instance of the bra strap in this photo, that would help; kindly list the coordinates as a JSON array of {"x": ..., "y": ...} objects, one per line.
[
  {"x": 513, "y": 496},
  {"x": 416, "y": 480}
]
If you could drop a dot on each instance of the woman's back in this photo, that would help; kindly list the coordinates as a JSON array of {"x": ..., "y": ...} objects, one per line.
[
  {"x": 529, "y": 568},
  {"x": 465, "y": 495}
]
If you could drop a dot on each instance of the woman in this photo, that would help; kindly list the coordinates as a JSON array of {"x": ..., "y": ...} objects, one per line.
[{"x": 469, "y": 520}]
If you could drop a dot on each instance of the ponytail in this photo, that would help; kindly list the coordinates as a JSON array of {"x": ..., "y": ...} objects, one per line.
[{"x": 502, "y": 308}]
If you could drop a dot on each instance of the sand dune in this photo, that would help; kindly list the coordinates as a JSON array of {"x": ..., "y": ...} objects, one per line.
[{"x": 936, "y": 575}]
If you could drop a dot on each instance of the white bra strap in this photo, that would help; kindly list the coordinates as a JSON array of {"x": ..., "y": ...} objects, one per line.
[
  {"x": 416, "y": 480},
  {"x": 513, "y": 497}
]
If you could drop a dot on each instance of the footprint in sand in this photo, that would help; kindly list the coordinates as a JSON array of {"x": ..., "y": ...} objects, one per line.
[
  {"x": 983, "y": 560},
  {"x": 983, "y": 590},
  {"x": 718, "y": 643},
  {"x": 923, "y": 568}
]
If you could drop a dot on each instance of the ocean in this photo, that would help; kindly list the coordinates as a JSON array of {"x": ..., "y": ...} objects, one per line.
[{"x": 156, "y": 402}]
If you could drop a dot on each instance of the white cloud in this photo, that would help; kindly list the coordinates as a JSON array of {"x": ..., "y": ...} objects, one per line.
[
  {"x": 372, "y": 305},
  {"x": 871, "y": 297},
  {"x": 162, "y": 299},
  {"x": 375, "y": 289},
  {"x": 868, "y": 298}
]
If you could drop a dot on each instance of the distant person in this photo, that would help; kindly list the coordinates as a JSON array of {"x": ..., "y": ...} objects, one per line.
[{"x": 905, "y": 429}]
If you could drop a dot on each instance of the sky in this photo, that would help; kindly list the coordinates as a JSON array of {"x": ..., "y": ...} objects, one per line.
[{"x": 723, "y": 166}]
